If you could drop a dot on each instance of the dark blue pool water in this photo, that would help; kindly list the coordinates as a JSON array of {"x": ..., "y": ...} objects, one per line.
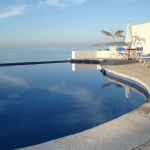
[{"x": 39, "y": 103}]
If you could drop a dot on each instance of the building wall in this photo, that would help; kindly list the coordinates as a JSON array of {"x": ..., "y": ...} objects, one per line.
[
  {"x": 79, "y": 67},
  {"x": 84, "y": 54},
  {"x": 103, "y": 54},
  {"x": 90, "y": 54},
  {"x": 142, "y": 30}
]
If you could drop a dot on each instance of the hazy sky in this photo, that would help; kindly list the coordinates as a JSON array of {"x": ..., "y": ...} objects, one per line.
[{"x": 25, "y": 23}]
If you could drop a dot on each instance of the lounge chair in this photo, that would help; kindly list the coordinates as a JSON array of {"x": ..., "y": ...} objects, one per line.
[
  {"x": 140, "y": 57},
  {"x": 145, "y": 59}
]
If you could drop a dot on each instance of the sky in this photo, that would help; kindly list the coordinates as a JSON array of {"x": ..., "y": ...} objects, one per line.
[{"x": 34, "y": 23}]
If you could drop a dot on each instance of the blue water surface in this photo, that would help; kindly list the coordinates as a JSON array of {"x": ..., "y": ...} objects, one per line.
[
  {"x": 51, "y": 53},
  {"x": 39, "y": 103}
]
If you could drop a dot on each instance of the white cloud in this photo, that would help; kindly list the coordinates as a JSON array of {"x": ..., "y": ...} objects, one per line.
[
  {"x": 14, "y": 80},
  {"x": 123, "y": 1},
  {"x": 13, "y": 12},
  {"x": 83, "y": 93},
  {"x": 78, "y": 1},
  {"x": 56, "y": 3},
  {"x": 64, "y": 3}
]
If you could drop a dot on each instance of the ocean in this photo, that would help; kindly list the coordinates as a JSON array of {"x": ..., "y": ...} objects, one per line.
[{"x": 53, "y": 53}]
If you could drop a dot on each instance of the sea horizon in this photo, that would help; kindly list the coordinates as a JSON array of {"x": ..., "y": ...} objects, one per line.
[{"x": 50, "y": 53}]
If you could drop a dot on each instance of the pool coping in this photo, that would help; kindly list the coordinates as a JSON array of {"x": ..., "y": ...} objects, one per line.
[{"x": 128, "y": 79}]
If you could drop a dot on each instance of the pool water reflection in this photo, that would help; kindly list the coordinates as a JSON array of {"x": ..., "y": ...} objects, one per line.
[{"x": 39, "y": 103}]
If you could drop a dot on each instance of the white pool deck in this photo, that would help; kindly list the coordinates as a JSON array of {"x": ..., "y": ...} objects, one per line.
[{"x": 128, "y": 132}]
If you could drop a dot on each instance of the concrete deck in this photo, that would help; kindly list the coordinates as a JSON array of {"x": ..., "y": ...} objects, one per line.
[
  {"x": 130, "y": 69},
  {"x": 128, "y": 132}
]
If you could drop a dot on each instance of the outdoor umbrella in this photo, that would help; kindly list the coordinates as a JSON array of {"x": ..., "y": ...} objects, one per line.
[{"x": 128, "y": 38}]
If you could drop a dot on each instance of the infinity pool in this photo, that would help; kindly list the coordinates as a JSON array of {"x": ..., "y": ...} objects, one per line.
[{"x": 39, "y": 103}]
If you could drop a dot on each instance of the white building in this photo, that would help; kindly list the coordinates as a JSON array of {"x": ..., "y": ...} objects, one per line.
[{"x": 142, "y": 30}]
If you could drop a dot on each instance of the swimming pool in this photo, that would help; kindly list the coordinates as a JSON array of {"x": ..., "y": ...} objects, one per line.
[{"x": 39, "y": 103}]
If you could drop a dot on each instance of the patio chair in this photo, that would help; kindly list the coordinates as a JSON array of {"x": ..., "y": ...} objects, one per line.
[
  {"x": 138, "y": 52},
  {"x": 126, "y": 52},
  {"x": 113, "y": 51},
  {"x": 121, "y": 53}
]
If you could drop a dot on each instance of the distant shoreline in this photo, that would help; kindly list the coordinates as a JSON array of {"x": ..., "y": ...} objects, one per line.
[{"x": 122, "y": 43}]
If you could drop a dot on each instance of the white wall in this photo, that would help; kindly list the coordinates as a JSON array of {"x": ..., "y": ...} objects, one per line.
[
  {"x": 103, "y": 54},
  {"x": 84, "y": 54},
  {"x": 79, "y": 67},
  {"x": 142, "y": 30},
  {"x": 90, "y": 54}
]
